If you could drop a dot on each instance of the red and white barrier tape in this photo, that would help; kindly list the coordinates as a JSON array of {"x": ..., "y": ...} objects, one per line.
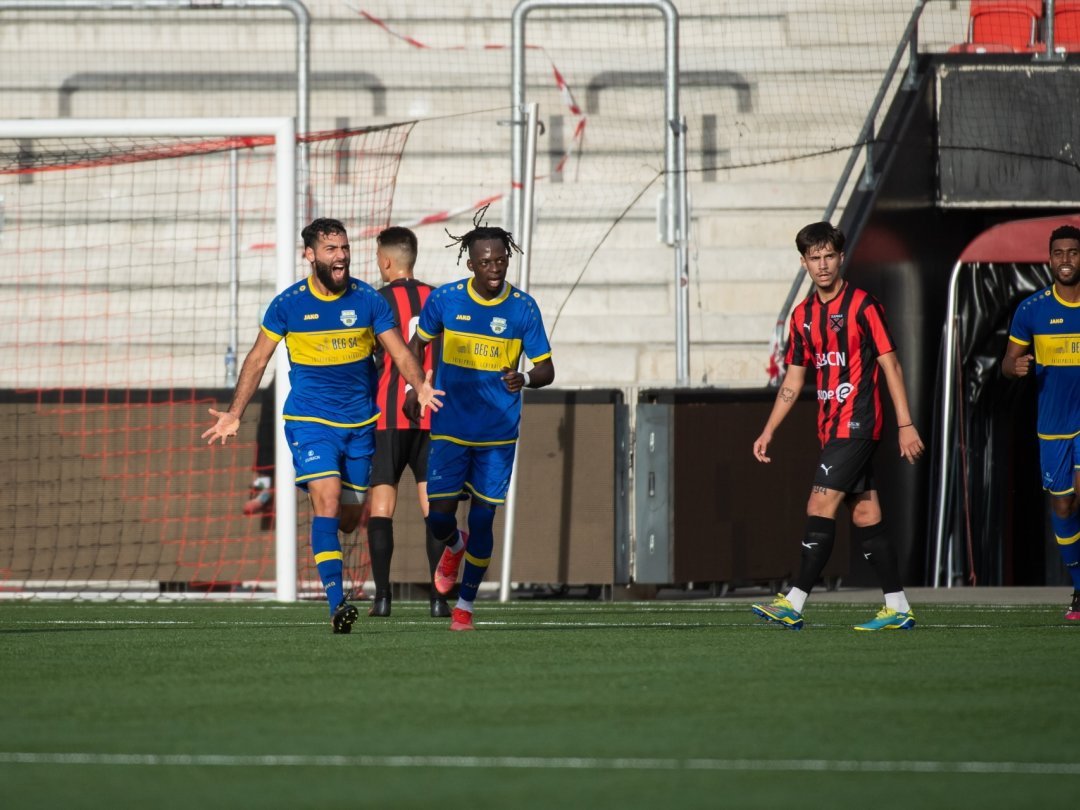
[{"x": 564, "y": 90}]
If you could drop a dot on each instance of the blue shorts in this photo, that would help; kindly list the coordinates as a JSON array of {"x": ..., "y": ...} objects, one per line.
[
  {"x": 322, "y": 451},
  {"x": 1060, "y": 461},
  {"x": 483, "y": 471}
]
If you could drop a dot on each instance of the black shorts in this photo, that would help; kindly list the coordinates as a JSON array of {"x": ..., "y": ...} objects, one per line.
[
  {"x": 845, "y": 466},
  {"x": 397, "y": 449}
]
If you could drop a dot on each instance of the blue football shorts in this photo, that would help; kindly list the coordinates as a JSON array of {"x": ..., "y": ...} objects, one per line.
[
  {"x": 483, "y": 471},
  {"x": 322, "y": 451},
  {"x": 1060, "y": 462}
]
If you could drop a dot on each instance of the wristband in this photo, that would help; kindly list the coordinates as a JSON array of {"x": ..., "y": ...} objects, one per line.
[
  {"x": 909, "y": 424},
  {"x": 525, "y": 374}
]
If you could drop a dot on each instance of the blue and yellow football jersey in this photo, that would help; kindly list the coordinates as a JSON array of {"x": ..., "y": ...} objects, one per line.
[
  {"x": 480, "y": 338},
  {"x": 1053, "y": 326},
  {"x": 331, "y": 340}
]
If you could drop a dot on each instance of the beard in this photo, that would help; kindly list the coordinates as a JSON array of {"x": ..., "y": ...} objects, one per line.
[
  {"x": 326, "y": 276},
  {"x": 1067, "y": 278}
]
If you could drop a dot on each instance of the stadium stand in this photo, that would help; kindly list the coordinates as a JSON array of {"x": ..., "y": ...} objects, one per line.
[
  {"x": 1067, "y": 25},
  {"x": 1002, "y": 26},
  {"x": 763, "y": 161}
]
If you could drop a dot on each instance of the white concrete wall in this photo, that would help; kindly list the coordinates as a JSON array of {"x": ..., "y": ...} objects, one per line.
[{"x": 811, "y": 67}]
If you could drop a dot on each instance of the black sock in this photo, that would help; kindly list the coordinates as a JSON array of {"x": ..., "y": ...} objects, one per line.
[
  {"x": 435, "y": 548},
  {"x": 380, "y": 534},
  {"x": 881, "y": 554},
  {"x": 816, "y": 550}
]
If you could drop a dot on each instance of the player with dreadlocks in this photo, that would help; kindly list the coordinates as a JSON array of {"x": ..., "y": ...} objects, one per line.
[{"x": 486, "y": 326}]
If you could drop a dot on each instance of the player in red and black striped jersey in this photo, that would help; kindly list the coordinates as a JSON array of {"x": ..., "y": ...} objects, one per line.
[
  {"x": 840, "y": 332},
  {"x": 399, "y": 441}
]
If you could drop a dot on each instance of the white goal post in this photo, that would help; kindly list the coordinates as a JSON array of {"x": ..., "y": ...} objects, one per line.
[{"x": 283, "y": 130}]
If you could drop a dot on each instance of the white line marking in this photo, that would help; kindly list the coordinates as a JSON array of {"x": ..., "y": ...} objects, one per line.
[{"x": 544, "y": 763}]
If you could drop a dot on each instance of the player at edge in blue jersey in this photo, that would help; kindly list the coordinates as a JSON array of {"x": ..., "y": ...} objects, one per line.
[
  {"x": 329, "y": 322},
  {"x": 486, "y": 326},
  {"x": 1049, "y": 321}
]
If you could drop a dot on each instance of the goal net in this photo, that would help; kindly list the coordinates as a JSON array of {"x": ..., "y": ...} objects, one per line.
[{"x": 139, "y": 257}]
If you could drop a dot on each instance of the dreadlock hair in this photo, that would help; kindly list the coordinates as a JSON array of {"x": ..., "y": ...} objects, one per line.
[{"x": 480, "y": 232}]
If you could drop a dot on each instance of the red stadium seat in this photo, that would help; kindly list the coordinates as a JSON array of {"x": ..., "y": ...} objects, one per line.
[
  {"x": 1004, "y": 24},
  {"x": 975, "y": 47},
  {"x": 1067, "y": 25}
]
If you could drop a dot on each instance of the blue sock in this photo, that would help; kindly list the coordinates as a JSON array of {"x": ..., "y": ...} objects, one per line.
[
  {"x": 328, "y": 558},
  {"x": 1067, "y": 533},
  {"x": 478, "y": 553},
  {"x": 443, "y": 526}
]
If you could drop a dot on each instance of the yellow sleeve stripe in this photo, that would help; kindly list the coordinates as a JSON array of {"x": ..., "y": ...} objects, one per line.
[
  {"x": 274, "y": 336},
  {"x": 425, "y": 335},
  {"x": 1018, "y": 340},
  {"x": 540, "y": 359},
  {"x": 326, "y": 556},
  {"x": 480, "y": 563}
]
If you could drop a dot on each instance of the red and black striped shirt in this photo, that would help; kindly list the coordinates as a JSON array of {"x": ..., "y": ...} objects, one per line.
[
  {"x": 842, "y": 340},
  {"x": 406, "y": 297}
]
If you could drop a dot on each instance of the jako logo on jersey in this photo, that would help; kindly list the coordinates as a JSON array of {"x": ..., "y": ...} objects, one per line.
[
  {"x": 498, "y": 325},
  {"x": 464, "y": 317},
  {"x": 836, "y": 322},
  {"x": 311, "y": 316},
  {"x": 348, "y": 316},
  {"x": 830, "y": 359},
  {"x": 1055, "y": 321}
]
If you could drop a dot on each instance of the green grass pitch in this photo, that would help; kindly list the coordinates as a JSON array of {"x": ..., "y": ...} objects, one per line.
[{"x": 550, "y": 704}]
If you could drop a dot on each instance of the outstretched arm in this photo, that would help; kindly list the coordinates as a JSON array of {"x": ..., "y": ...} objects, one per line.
[
  {"x": 785, "y": 401},
  {"x": 911, "y": 445},
  {"x": 228, "y": 422},
  {"x": 407, "y": 363}
]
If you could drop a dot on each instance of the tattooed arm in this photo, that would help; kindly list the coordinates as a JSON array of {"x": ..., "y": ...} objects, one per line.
[{"x": 785, "y": 400}]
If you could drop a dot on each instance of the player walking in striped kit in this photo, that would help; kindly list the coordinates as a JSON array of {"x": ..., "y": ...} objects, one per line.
[{"x": 840, "y": 332}]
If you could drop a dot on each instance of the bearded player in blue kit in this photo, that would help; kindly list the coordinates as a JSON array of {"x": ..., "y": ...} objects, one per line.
[
  {"x": 330, "y": 323},
  {"x": 1049, "y": 321},
  {"x": 486, "y": 326}
]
